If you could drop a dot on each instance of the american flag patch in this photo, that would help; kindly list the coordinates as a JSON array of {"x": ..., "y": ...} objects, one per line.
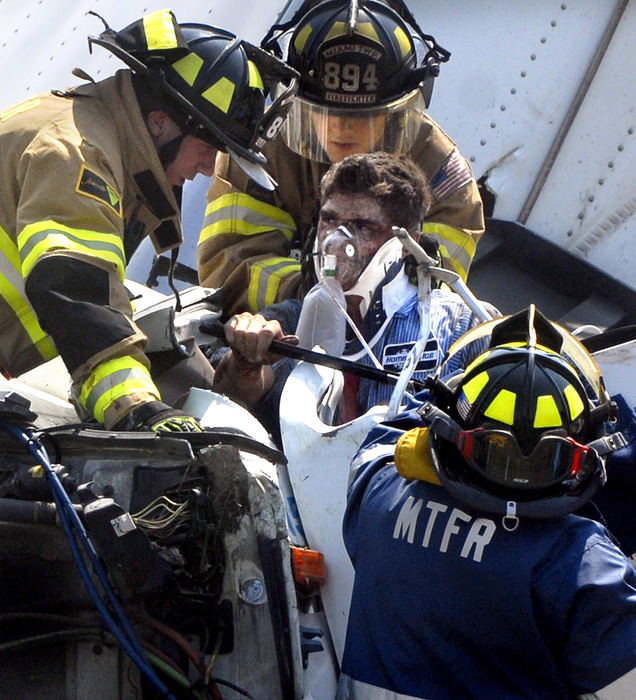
[
  {"x": 453, "y": 174},
  {"x": 463, "y": 406}
]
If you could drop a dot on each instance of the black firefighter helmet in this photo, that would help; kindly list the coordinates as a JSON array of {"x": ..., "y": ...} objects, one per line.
[
  {"x": 524, "y": 429},
  {"x": 356, "y": 58},
  {"x": 216, "y": 85}
]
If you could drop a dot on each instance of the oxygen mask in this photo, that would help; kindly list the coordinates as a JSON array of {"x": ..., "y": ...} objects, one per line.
[{"x": 340, "y": 250}]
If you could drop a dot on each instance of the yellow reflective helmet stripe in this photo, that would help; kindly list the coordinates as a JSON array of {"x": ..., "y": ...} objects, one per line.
[
  {"x": 220, "y": 94},
  {"x": 301, "y": 39},
  {"x": 367, "y": 29},
  {"x": 575, "y": 403},
  {"x": 473, "y": 387},
  {"x": 265, "y": 278},
  {"x": 403, "y": 41},
  {"x": 255, "y": 78},
  {"x": 455, "y": 245},
  {"x": 159, "y": 30},
  {"x": 113, "y": 379},
  {"x": 44, "y": 236},
  {"x": 502, "y": 407},
  {"x": 547, "y": 413},
  {"x": 12, "y": 291},
  {"x": 188, "y": 67},
  {"x": 337, "y": 29},
  {"x": 238, "y": 213},
  {"x": 477, "y": 361}
]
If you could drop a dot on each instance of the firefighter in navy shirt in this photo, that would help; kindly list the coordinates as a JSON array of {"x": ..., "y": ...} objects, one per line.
[{"x": 472, "y": 576}]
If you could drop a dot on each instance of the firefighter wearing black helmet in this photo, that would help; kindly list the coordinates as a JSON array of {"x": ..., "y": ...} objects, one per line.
[
  {"x": 460, "y": 527},
  {"x": 89, "y": 172},
  {"x": 366, "y": 77}
]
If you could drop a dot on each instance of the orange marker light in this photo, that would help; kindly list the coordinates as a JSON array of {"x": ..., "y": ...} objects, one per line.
[{"x": 308, "y": 566}]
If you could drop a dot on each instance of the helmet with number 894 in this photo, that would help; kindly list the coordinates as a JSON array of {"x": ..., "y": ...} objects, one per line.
[{"x": 364, "y": 64}]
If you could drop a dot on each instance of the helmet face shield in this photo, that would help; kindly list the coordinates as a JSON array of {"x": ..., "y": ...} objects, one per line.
[{"x": 328, "y": 134}]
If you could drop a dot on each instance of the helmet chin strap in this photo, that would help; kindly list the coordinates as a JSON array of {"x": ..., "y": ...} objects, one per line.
[
  {"x": 374, "y": 272},
  {"x": 168, "y": 152}
]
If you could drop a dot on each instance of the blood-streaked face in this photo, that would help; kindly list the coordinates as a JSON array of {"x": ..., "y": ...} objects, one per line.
[
  {"x": 366, "y": 220},
  {"x": 193, "y": 157},
  {"x": 343, "y": 136}
]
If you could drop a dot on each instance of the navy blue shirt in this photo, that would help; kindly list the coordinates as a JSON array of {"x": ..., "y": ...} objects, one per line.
[{"x": 447, "y": 603}]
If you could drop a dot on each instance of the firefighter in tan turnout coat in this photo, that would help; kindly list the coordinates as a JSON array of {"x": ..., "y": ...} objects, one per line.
[{"x": 88, "y": 172}]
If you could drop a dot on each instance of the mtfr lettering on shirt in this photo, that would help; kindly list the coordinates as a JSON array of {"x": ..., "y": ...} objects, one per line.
[{"x": 455, "y": 523}]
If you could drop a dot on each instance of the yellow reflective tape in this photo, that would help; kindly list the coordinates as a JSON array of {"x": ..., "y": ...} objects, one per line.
[
  {"x": 474, "y": 386},
  {"x": 239, "y": 227},
  {"x": 188, "y": 67},
  {"x": 247, "y": 202},
  {"x": 502, "y": 407},
  {"x": 220, "y": 94},
  {"x": 130, "y": 386},
  {"x": 547, "y": 413},
  {"x": 10, "y": 250},
  {"x": 368, "y": 30},
  {"x": 255, "y": 79},
  {"x": 302, "y": 37},
  {"x": 265, "y": 278},
  {"x": 19, "y": 108},
  {"x": 338, "y": 29},
  {"x": 239, "y": 213},
  {"x": 477, "y": 361},
  {"x": 456, "y": 245},
  {"x": 159, "y": 30},
  {"x": 575, "y": 403},
  {"x": 44, "y": 236},
  {"x": 25, "y": 314},
  {"x": 112, "y": 380},
  {"x": 403, "y": 40}
]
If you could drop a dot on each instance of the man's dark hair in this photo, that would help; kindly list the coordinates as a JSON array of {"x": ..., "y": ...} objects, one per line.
[{"x": 394, "y": 181}]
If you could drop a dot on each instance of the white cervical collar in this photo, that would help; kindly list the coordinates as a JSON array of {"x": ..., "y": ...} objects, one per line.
[{"x": 375, "y": 271}]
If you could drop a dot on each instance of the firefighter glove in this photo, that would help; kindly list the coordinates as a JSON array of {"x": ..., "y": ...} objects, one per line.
[{"x": 160, "y": 418}]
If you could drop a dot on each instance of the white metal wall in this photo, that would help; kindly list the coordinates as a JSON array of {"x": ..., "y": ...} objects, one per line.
[{"x": 503, "y": 97}]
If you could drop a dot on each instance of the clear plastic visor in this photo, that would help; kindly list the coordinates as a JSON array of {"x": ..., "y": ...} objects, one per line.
[{"x": 328, "y": 134}]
